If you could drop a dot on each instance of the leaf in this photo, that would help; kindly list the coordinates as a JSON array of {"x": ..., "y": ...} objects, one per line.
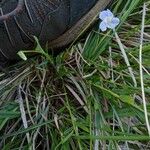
[
  {"x": 127, "y": 99},
  {"x": 38, "y": 46},
  {"x": 22, "y": 55}
]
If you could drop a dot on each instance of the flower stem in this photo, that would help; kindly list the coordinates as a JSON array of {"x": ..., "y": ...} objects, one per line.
[
  {"x": 125, "y": 58},
  {"x": 141, "y": 70}
]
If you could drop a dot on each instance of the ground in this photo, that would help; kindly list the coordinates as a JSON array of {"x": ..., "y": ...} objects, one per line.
[{"x": 87, "y": 97}]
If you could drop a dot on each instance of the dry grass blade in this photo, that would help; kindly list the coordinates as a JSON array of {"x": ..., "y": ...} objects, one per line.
[
  {"x": 141, "y": 69},
  {"x": 77, "y": 98},
  {"x": 23, "y": 113}
]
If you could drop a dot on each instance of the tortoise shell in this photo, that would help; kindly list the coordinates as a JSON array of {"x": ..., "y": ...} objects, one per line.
[{"x": 20, "y": 20}]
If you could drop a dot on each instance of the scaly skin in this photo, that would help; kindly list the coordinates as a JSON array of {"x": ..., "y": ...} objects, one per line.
[{"x": 48, "y": 20}]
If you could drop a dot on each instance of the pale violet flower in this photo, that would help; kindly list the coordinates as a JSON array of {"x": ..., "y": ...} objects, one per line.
[{"x": 108, "y": 20}]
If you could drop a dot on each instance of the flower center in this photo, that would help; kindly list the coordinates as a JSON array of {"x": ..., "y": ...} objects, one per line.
[{"x": 108, "y": 20}]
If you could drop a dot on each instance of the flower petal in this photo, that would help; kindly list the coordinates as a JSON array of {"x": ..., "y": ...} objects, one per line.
[
  {"x": 109, "y": 13},
  {"x": 103, "y": 26},
  {"x": 115, "y": 21},
  {"x": 105, "y": 13}
]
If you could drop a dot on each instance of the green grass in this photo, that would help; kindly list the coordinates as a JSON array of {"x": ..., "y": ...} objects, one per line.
[{"x": 85, "y": 97}]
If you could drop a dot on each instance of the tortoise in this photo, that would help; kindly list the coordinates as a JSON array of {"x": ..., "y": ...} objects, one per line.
[{"x": 56, "y": 22}]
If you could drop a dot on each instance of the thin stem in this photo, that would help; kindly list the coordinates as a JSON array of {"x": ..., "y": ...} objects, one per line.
[
  {"x": 126, "y": 58},
  {"x": 141, "y": 69}
]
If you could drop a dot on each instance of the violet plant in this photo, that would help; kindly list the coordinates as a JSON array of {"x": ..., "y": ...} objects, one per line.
[{"x": 109, "y": 21}]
